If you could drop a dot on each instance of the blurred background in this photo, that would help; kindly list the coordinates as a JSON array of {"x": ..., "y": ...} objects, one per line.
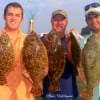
[{"x": 41, "y": 10}]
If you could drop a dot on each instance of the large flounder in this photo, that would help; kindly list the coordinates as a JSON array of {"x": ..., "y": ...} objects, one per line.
[
  {"x": 91, "y": 61},
  {"x": 35, "y": 60},
  {"x": 6, "y": 57},
  {"x": 56, "y": 60}
]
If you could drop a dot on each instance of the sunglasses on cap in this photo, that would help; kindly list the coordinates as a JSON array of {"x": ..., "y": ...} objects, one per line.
[{"x": 93, "y": 5}]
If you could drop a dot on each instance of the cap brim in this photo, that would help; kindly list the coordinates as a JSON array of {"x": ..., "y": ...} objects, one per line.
[{"x": 93, "y": 13}]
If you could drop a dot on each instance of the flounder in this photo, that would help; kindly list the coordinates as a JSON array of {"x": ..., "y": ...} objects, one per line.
[
  {"x": 56, "y": 57},
  {"x": 91, "y": 61},
  {"x": 6, "y": 57},
  {"x": 73, "y": 49},
  {"x": 35, "y": 60}
]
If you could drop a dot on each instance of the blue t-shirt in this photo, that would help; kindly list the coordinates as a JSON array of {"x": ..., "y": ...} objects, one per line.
[{"x": 67, "y": 82}]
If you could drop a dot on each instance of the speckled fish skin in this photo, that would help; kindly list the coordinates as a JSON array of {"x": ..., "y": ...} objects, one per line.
[
  {"x": 56, "y": 60},
  {"x": 35, "y": 60},
  {"x": 6, "y": 57},
  {"x": 75, "y": 49},
  {"x": 91, "y": 60}
]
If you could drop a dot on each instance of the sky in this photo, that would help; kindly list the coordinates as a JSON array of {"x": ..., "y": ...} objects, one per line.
[{"x": 41, "y": 11}]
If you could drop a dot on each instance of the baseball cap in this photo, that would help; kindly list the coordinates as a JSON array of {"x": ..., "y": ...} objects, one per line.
[
  {"x": 93, "y": 8},
  {"x": 61, "y": 12}
]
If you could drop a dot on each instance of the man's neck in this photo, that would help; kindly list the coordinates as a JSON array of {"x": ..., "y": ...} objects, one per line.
[
  {"x": 13, "y": 34},
  {"x": 11, "y": 31},
  {"x": 97, "y": 33}
]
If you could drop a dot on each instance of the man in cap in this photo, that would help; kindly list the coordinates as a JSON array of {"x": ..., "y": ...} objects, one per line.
[
  {"x": 59, "y": 21},
  {"x": 67, "y": 81},
  {"x": 91, "y": 53}
]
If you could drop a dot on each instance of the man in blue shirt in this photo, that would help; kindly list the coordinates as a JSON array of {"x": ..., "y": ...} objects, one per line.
[{"x": 67, "y": 81}]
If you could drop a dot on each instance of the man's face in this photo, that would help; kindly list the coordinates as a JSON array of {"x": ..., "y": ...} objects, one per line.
[
  {"x": 59, "y": 23},
  {"x": 93, "y": 22},
  {"x": 13, "y": 18}
]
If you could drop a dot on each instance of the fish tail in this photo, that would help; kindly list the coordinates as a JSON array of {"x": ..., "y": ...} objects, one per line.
[
  {"x": 36, "y": 90},
  {"x": 54, "y": 86}
]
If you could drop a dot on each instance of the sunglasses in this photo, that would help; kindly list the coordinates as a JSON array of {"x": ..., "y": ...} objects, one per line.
[{"x": 93, "y": 5}]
